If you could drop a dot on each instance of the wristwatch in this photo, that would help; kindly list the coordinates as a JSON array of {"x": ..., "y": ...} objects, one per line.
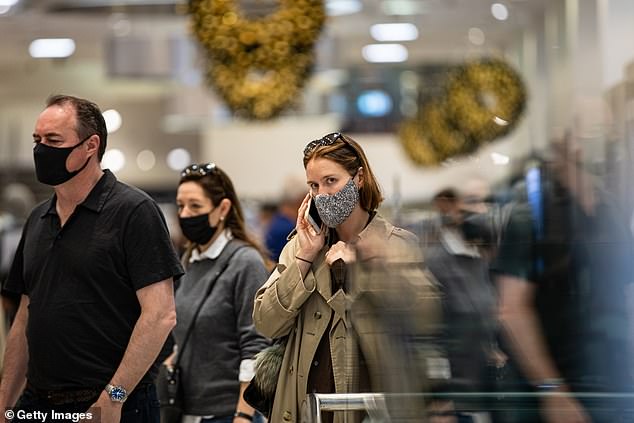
[
  {"x": 117, "y": 393},
  {"x": 549, "y": 385}
]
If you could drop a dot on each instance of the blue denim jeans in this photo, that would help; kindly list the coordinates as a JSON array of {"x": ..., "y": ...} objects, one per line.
[{"x": 142, "y": 406}]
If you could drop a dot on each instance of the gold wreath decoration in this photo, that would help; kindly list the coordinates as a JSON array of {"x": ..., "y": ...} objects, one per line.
[
  {"x": 429, "y": 139},
  {"x": 483, "y": 101},
  {"x": 258, "y": 66}
]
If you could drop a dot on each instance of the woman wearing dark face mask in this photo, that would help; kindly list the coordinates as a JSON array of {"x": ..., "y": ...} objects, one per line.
[
  {"x": 310, "y": 294},
  {"x": 217, "y": 356}
]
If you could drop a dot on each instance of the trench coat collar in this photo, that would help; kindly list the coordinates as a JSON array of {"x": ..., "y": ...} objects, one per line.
[{"x": 377, "y": 231}]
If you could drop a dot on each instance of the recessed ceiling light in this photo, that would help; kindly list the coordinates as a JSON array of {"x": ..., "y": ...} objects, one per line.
[
  {"x": 343, "y": 7},
  {"x": 113, "y": 159},
  {"x": 402, "y": 7},
  {"x": 52, "y": 48},
  {"x": 499, "y": 11},
  {"x": 476, "y": 36},
  {"x": 394, "y": 32},
  {"x": 113, "y": 120},
  {"x": 145, "y": 160},
  {"x": 178, "y": 159},
  {"x": 385, "y": 53}
]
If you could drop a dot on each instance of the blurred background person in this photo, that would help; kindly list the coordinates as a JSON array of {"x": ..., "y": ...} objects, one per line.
[
  {"x": 307, "y": 296},
  {"x": 283, "y": 221},
  {"x": 562, "y": 272},
  {"x": 457, "y": 258},
  {"x": 217, "y": 359},
  {"x": 16, "y": 203}
]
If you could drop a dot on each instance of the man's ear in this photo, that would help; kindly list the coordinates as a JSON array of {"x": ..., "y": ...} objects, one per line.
[{"x": 92, "y": 144}]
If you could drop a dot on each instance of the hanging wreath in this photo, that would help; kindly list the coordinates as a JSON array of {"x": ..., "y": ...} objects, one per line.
[
  {"x": 485, "y": 99},
  {"x": 416, "y": 144},
  {"x": 482, "y": 102},
  {"x": 429, "y": 139},
  {"x": 258, "y": 66}
]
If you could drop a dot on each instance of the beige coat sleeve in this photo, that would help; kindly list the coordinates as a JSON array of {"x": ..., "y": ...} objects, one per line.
[{"x": 279, "y": 300}]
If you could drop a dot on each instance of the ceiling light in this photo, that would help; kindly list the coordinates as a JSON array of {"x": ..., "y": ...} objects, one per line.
[
  {"x": 402, "y": 7},
  {"x": 113, "y": 159},
  {"x": 52, "y": 48},
  {"x": 178, "y": 159},
  {"x": 113, "y": 120},
  {"x": 8, "y": 3},
  {"x": 500, "y": 159},
  {"x": 146, "y": 160},
  {"x": 499, "y": 11},
  {"x": 385, "y": 53},
  {"x": 476, "y": 36},
  {"x": 394, "y": 32},
  {"x": 343, "y": 7}
]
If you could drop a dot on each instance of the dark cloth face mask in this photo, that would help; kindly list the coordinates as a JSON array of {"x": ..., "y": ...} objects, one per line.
[
  {"x": 50, "y": 163},
  {"x": 334, "y": 209},
  {"x": 197, "y": 228}
]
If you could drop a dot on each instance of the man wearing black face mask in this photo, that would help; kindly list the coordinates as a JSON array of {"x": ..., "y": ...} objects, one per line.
[
  {"x": 469, "y": 299},
  {"x": 95, "y": 268}
]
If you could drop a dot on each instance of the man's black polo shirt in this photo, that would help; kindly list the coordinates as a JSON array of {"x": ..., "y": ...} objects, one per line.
[{"x": 81, "y": 281}]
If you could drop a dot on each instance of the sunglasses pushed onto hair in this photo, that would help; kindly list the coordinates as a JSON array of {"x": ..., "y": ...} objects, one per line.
[
  {"x": 200, "y": 169},
  {"x": 326, "y": 140}
]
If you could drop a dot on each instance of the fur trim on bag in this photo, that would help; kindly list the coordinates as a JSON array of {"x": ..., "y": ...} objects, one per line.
[{"x": 267, "y": 368}]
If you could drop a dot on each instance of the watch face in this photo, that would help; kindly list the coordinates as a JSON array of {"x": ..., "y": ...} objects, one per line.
[{"x": 117, "y": 393}]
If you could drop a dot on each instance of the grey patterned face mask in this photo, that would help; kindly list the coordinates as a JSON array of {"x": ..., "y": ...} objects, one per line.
[{"x": 334, "y": 209}]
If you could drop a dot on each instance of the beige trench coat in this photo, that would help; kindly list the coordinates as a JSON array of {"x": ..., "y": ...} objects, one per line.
[{"x": 302, "y": 309}]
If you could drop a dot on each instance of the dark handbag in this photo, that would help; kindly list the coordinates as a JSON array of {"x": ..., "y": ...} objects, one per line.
[
  {"x": 170, "y": 394},
  {"x": 261, "y": 390},
  {"x": 169, "y": 386}
]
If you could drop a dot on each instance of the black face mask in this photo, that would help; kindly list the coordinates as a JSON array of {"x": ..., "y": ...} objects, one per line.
[
  {"x": 476, "y": 227},
  {"x": 50, "y": 163},
  {"x": 197, "y": 228}
]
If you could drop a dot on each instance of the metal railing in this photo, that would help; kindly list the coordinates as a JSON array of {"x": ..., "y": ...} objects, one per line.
[{"x": 375, "y": 404}]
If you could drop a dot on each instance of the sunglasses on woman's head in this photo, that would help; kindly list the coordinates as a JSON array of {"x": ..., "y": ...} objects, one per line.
[
  {"x": 198, "y": 169},
  {"x": 329, "y": 139}
]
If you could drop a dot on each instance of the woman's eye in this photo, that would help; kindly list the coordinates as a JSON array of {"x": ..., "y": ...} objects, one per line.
[{"x": 331, "y": 180}]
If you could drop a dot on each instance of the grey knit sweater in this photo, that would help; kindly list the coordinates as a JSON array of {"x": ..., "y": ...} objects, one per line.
[{"x": 223, "y": 333}]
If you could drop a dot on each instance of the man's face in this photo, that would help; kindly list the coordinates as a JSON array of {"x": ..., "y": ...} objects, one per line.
[{"x": 56, "y": 127}]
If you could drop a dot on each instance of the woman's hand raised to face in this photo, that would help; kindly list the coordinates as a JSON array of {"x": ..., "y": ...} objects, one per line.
[
  {"x": 341, "y": 250},
  {"x": 310, "y": 243}
]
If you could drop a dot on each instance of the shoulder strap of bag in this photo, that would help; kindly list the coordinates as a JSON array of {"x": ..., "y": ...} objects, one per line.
[{"x": 229, "y": 251}]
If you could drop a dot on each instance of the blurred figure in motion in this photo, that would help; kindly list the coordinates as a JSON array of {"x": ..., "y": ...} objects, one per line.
[
  {"x": 16, "y": 203},
  {"x": 563, "y": 267},
  {"x": 285, "y": 217},
  {"x": 331, "y": 277},
  {"x": 217, "y": 343},
  {"x": 457, "y": 261}
]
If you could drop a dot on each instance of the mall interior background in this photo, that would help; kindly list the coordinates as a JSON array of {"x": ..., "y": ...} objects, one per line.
[{"x": 137, "y": 57}]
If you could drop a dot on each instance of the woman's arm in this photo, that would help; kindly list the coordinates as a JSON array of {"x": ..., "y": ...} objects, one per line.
[{"x": 279, "y": 300}]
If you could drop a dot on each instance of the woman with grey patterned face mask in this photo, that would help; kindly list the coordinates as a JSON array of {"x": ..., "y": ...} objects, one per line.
[{"x": 306, "y": 298}]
